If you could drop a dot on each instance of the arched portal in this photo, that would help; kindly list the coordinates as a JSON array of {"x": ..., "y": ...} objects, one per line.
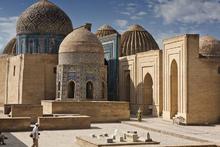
[
  {"x": 128, "y": 87},
  {"x": 71, "y": 89},
  {"x": 148, "y": 94},
  {"x": 89, "y": 90},
  {"x": 173, "y": 89}
]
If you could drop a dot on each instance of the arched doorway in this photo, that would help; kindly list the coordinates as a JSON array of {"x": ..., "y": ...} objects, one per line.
[
  {"x": 173, "y": 89},
  {"x": 89, "y": 90},
  {"x": 71, "y": 89},
  {"x": 148, "y": 94},
  {"x": 127, "y": 88}
]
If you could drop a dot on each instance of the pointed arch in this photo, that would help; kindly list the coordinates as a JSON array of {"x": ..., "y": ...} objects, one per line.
[
  {"x": 89, "y": 90},
  {"x": 148, "y": 93},
  {"x": 173, "y": 88},
  {"x": 71, "y": 89}
]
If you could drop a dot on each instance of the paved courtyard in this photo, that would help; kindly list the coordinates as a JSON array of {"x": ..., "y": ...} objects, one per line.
[
  {"x": 67, "y": 138},
  {"x": 204, "y": 133}
]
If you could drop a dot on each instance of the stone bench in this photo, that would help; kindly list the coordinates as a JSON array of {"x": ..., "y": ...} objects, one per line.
[
  {"x": 64, "y": 122},
  {"x": 8, "y": 124}
]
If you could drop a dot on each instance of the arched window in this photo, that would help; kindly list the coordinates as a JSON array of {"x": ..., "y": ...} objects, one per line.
[
  {"x": 127, "y": 87},
  {"x": 58, "y": 86},
  {"x": 71, "y": 89},
  {"x": 103, "y": 90},
  {"x": 89, "y": 90}
]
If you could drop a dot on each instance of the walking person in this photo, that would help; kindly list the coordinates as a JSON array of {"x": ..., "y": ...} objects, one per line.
[
  {"x": 35, "y": 135},
  {"x": 2, "y": 139}
]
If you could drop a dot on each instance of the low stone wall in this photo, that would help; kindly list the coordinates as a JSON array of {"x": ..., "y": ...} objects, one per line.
[
  {"x": 15, "y": 124},
  {"x": 25, "y": 110},
  {"x": 64, "y": 122},
  {"x": 100, "y": 111}
]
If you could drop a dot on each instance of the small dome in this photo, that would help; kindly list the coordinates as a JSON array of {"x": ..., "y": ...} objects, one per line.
[
  {"x": 136, "y": 39},
  {"x": 44, "y": 17},
  {"x": 209, "y": 46},
  {"x": 81, "y": 40},
  {"x": 105, "y": 30},
  {"x": 10, "y": 48}
]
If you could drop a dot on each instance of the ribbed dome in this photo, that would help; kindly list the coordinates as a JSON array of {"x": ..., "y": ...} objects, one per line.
[
  {"x": 81, "y": 40},
  {"x": 209, "y": 46},
  {"x": 44, "y": 17},
  {"x": 10, "y": 48},
  {"x": 105, "y": 30},
  {"x": 136, "y": 39}
]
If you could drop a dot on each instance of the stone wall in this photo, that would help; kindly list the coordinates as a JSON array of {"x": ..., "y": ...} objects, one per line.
[
  {"x": 63, "y": 123},
  {"x": 15, "y": 124},
  {"x": 80, "y": 68},
  {"x": 31, "y": 78},
  {"x": 175, "y": 51},
  {"x": 100, "y": 111},
  {"x": 198, "y": 81},
  {"x": 27, "y": 110},
  {"x": 14, "y": 80},
  {"x": 137, "y": 67},
  {"x": 204, "y": 83},
  {"x": 3, "y": 77},
  {"x": 150, "y": 63}
]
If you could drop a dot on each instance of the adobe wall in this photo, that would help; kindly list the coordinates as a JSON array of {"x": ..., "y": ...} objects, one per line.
[{"x": 100, "y": 111}]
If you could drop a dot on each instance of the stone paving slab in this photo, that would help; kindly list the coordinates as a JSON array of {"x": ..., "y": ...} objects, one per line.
[
  {"x": 197, "y": 133},
  {"x": 67, "y": 138}
]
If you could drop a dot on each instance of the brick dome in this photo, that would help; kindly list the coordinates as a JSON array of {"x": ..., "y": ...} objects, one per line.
[
  {"x": 136, "y": 39},
  {"x": 44, "y": 17},
  {"x": 81, "y": 40},
  {"x": 10, "y": 48},
  {"x": 105, "y": 30},
  {"x": 209, "y": 46}
]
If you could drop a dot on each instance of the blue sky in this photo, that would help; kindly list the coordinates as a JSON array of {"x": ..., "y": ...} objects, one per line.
[{"x": 162, "y": 18}]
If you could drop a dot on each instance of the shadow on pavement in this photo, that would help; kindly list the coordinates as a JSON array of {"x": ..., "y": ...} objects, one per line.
[{"x": 12, "y": 141}]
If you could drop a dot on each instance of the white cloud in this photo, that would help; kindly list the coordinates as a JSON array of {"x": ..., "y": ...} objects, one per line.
[
  {"x": 188, "y": 11},
  {"x": 141, "y": 13},
  {"x": 121, "y": 23},
  {"x": 7, "y": 30},
  {"x": 125, "y": 13},
  {"x": 138, "y": 15}
]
